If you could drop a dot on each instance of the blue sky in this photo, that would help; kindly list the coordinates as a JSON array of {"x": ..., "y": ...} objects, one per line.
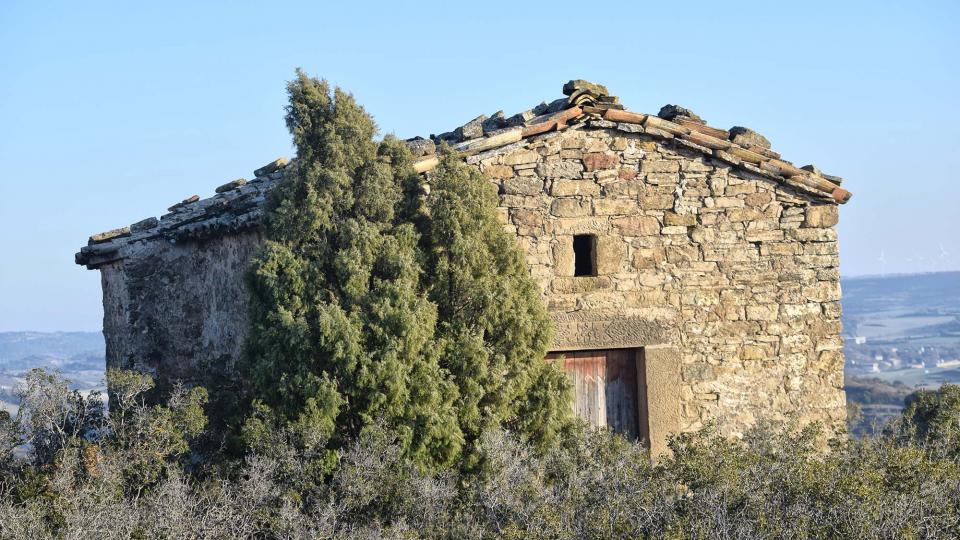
[{"x": 110, "y": 112}]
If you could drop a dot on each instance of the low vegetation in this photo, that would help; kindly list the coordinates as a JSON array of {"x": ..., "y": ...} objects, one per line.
[
  {"x": 69, "y": 470},
  {"x": 872, "y": 402}
]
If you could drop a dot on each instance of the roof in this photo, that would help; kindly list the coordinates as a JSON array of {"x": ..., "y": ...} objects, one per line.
[
  {"x": 238, "y": 205},
  {"x": 591, "y": 103}
]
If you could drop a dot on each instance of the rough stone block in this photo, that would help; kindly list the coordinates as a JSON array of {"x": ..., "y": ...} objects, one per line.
[
  {"x": 753, "y": 352},
  {"x": 521, "y": 201},
  {"x": 472, "y": 129},
  {"x": 614, "y": 207},
  {"x": 597, "y": 160},
  {"x": 273, "y": 166},
  {"x": 799, "y": 311},
  {"x": 109, "y": 235},
  {"x": 826, "y": 215},
  {"x": 570, "y": 208},
  {"x": 758, "y": 199},
  {"x": 563, "y": 257},
  {"x": 229, "y": 186},
  {"x": 648, "y": 258},
  {"x": 684, "y": 220},
  {"x": 744, "y": 214},
  {"x": 660, "y": 166},
  {"x": 821, "y": 248},
  {"x": 680, "y": 254},
  {"x": 596, "y": 145},
  {"x": 619, "y": 144},
  {"x": 577, "y": 225},
  {"x": 521, "y": 185},
  {"x": 637, "y": 225},
  {"x": 695, "y": 166},
  {"x": 144, "y": 224},
  {"x": 606, "y": 176},
  {"x": 573, "y": 139},
  {"x": 832, "y": 310},
  {"x": 527, "y": 218},
  {"x": 747, "y": 137},
  {"x": 766, "y": 312},
  {"x": 828, "y": 274},
  {"x": 520, "y": 157},
  {"x": 663, "y": 179},
  {"x": 611, "y": 255},
  {"x": 728, "y": 202},
  {"x": 656, "y": 202},
  {"x": 746, "y": 188},
  {"x": 570, "y": 188},
  {"x": 673, "y": 230},
  {"x": 580, "y": 284},
  {"x": 814, "y": 234},
  {"x": 764, "y": 236},
  {"x": 498, "y": 171},
  {"x": 566, "y": 168},
  {"x": 780, "y": 248}
]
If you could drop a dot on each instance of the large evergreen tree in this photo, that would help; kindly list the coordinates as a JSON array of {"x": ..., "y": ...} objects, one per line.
[
  {"x": 370, "y": 305},
  {"x": 493, "y": 329}
]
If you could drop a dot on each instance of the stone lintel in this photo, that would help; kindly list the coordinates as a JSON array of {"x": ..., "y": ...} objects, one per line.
[{"x": 581, "y": 331}]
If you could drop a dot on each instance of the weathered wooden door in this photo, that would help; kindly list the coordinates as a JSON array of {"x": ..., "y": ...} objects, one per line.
[{"x": 605, "y": 388}]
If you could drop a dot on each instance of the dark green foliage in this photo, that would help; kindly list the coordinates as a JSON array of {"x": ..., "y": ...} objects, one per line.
[
  {"x": 872, "y": 403},
  {"x": 493, "y": 331},
  {"x": 368, "y": 305},
  {"x": 932, "y": 419}
]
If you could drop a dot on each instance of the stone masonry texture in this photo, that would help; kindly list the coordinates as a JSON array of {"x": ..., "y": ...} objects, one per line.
[{"x": 731, "y": 269}]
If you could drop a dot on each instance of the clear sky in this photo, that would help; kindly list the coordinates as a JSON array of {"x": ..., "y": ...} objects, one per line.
[{"x": 110, "y": 112}]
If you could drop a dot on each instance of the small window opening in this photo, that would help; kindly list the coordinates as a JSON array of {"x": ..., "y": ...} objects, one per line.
[{"x": 584, "y": 255}]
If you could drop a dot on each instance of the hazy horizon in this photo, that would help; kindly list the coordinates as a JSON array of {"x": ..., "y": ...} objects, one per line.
[
  {"x": 100, "y": 330},
  {"x": 114, "y": 112}
]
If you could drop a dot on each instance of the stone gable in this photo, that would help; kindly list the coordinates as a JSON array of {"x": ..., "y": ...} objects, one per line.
[{"x": 735, "y": 270}]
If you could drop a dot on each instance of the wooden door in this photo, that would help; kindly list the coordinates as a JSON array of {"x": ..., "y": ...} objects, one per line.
[{"x": 605, "y": 386}]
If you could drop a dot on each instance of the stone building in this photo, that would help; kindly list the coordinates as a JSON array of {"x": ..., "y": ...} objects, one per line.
[{"x": 692, "y": 273}]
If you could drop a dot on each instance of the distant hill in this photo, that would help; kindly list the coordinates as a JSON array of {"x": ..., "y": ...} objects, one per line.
[
  {"x": 18, "y": 345},
  {"x": 873, "y": 294},
  {"x": 923, "y": 309},
  {"x": 80, "y": 356}
]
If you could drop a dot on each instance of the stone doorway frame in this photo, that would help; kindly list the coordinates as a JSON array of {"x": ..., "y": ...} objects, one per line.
[{"x": 658, "y": 362}]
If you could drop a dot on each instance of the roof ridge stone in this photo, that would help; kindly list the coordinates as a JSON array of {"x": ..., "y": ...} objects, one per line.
[{"x": 738, "y": 145}]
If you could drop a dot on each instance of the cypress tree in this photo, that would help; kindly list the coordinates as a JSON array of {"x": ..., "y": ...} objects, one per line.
[
  {"x": 493, "y": 329},
  {"x": 369, "y": 305}
]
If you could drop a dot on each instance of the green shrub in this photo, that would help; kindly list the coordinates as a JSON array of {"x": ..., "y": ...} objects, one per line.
[
  {"x": 369, "y": 304},
  {"x": 774, "y": 483}
]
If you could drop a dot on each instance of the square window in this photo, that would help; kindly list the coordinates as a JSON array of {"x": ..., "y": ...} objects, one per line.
[{"x": 584, "y": 255}]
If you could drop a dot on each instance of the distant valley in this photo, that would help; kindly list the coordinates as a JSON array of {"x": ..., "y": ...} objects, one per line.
[
  {"x": 78, "y": 355},
  {"x": 901, "y": 333}
]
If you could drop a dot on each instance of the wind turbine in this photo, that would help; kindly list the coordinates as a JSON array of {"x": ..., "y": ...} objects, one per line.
[{"x": 882, "y": 259}]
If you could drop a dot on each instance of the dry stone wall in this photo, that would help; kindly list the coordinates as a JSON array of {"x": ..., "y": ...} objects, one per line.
[
  {"x": 179, "y": 310},
  {"x": 721, "y": 259},
  {"x": 736, "y": 270}
]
